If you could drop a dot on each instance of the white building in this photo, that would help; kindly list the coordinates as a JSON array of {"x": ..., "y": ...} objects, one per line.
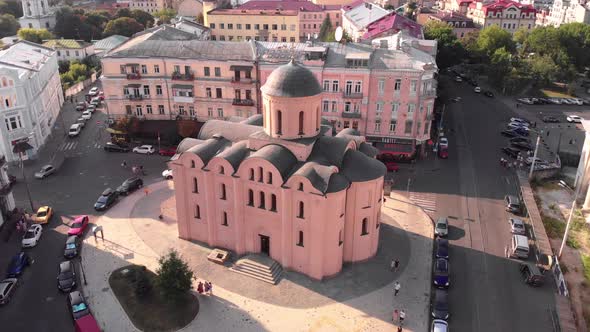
[
  {"x": 30, "y": 96},
  {"x": 357, "y": 16},
  {"x": 563, "y": 11},
  {"x": 70, "y": 49},
  {"x": 37, "y": 14},
  {"x": 7, "y": 203},
  {"x": 195, "y": 28}
]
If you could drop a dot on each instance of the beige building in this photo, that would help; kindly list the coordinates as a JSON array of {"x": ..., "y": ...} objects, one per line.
[
  {"x": 150, "y": 6},
  {"x": 506, "y": 14}
]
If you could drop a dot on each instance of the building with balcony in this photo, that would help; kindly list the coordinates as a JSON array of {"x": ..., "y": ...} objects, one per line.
[
  {"x": 38, "y": 14},
  {"x": 150, "y": 6},
  {"x": 7, "y": 203},
  {"x": 508, "y": 15},
  {"x": 564, "y": 11},
  {"x": 286, "y": 189},
  {"x": 30, "y": 96},
  {"x": 357, "y": 16},
  {"x": 460, "y": 23},
  {"x": 70, "y": 49}
]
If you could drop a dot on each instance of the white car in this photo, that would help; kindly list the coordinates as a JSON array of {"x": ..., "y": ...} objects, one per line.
[
  {"x": 458, "y": 79},
  {"x": 144, "y": 149},
  {"x": 519, "y": 120},
  {"x": 442, "y": 227},
  {"x": 93, "y": 91},
  {"x": 578, "y": 101},
  {"x": 439, "y": 325},
  {"x": 81, "y": 121},
  {"x": 443, "y": 142},
  {"x": 32, "y": 236},
  {"x": 95, "y": 101},
  {"x": 91, "y": 108},
  {"x": 574, "y": 119},
  {"x": 87, "y": 115},
  {"x": 167, "y": 174},
  {"x": 45, "y": 171},
  {"x": 477, "y": 89},
  {"x": 557, "y": 101},
  {"x": 527, "y": 101}
]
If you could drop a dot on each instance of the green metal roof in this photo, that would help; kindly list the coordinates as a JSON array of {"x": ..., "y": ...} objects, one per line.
[{"x": 65, "y": 43}]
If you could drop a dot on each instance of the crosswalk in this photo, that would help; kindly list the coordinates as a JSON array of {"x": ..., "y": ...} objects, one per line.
[
  {"x": 70, "y": 146},
  {"x": 427, "y": 201}
]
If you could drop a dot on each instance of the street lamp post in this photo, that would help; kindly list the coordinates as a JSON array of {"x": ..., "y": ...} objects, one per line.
[
  {"x": 569, "y": 219},
  {"x": 535, "y": 156}
]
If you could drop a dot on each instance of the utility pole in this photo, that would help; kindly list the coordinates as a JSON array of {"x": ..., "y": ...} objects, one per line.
[
  {"x": 535, "y": 156},
  {"x": 442, "y": 115},
  {"x": 570, "y": 217}
]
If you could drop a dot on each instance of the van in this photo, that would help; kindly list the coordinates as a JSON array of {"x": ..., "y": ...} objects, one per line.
[
  {"x": 75, "y": 130},
  {"x": 512, "y": 204},
  {"x": 519, "y": 247}
]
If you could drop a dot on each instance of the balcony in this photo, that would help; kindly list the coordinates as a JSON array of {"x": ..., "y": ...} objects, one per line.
[
  {"x": 243, "y": 102},
  {"x": 352, "y": 95},
  {"x": 134, "y": 97},
  {"x": 183, "y": 99},
  {"x": 183, "y": 77},
  {"x": 429, "y": 93},
  {"x": 133, "y": 76},
  {"x": 241, "y": 80},
  {"x": 351, "y": 115}
]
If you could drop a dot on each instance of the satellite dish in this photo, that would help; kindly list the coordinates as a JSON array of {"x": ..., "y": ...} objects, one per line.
[
  {"x": 308, "y": 36},
  {"x": 338, "y": 34}
]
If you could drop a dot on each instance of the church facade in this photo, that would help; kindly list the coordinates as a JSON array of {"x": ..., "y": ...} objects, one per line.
[
  {"x": 281, "y": 184},
  {"x": 37, "y": 14}
]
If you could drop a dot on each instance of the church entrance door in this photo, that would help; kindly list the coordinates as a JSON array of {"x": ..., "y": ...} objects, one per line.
[{"x": 264, "y": 244}]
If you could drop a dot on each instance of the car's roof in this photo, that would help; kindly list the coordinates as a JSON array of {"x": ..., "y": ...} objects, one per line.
[
  {"x": 48, "y": 165},
  {"x": 76, "y": 297},
  {"x": 71, "y": 239},
  {"x": 516, "y": 221},
  {"x": 43, "y": 208},
  {"x": 65, "y": 266},
  {"x": 441, "y": 219},
  {"x": 107, "y": 192},
  {"x": 80, "y": 218},
  {"x": 146, "y": 146}
]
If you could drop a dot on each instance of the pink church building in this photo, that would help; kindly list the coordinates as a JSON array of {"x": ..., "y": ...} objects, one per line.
[{"x": 287, "y": 189}]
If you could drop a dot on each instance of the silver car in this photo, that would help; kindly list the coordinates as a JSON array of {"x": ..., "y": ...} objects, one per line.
[
  {"x": 442, "y": 227},
  {"x": 517, "y": 226},
  {"x": 7, "y": 287},
  {"x": 45, "y": 171}
]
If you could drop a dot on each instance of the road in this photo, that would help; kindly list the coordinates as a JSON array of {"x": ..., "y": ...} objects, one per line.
[
  {"x": 487, "y": 293},
  {"x": 38, "y": 305}
]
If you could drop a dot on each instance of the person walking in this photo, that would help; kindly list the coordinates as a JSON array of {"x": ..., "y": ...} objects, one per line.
[
  {"x": 402, "y": 316},
  {"x": 396, "y": 264},
  {"x": 396, "y": 288},
  {"x": 400, "y": 328},
  {"x": 200, "y": 288},
  {"x": 210, "y": 288},
  {"x": 395, "y": 315}
]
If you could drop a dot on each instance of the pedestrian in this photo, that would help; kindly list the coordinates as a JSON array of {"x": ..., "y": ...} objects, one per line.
[
  {"x": 395, "y": 315},
  {"x": 124, "y": 164},
  {"x": 400, "y": 328},
  {"x": 396, "y": 264},
  {"x": 402, "y": 316},
  {"x": 200, "y": 288},
  {"x": 396, "y": 288},
  {"x": 210, "y": 288}
]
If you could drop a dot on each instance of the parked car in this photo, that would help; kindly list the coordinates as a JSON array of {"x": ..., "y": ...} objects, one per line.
[
  {"x": 86, "y": 115},
  {"x": 81, "y": 121},
  {"x": 510, "y": 151},
  {"x": 81, "y": 106},
  {"x": 522, "y": 131},
  {"x": 95, "y": 101},
  {"x": 93, "y": 91},
  {"x": 516, "y": 124},
  {"x": 169, "y": 151},
  {"x": 79, "y": 226},
  {"x": 512, "y": 204},
  {"x": 574, "y": 119},
  {"x": 106, "y": 199},
  {"x": 17, "y": 265},
  {"x": 45, "y": 171},
  {"x": 130, "y": 185},
  {"x": 527, "y": 101},
  {"x": 72, "y": 248},
  {"x": 510, "y": 133},
  {"x": 516, "y": 226},
  {"x": 167, "y": 174},
  {"x": 458, "y": 79},
  {"x": 91, "y": 108},
  {"x": 144, "y": 149},
  {"x": 442, "y": 227},
  {"x": 520, "y": 140},
  {"x": 443, "y": 152},
  {"x": 439, "y": 325},
  {"x": 550, "y": 119},
  {"x": 32, "y": 236},
  {"x": 443, "y": 142},
  {"x": 440, "y": 304},
  {"x": 522, "y": 146},
  {"x": 522, "y": 120},
  {"x": 440, "y": 276},
  {"x": 66, "y": 277},
  {"x": 488, "y": 93},
  {"x": 442, "y": 248},
  {"x": 531, "y": 274},
  {"x": 43, "y": 215},
  {"x": 477, "y": 89},
  {"x": 7, "y": 288},
  {"x": 557, "y": 101},
  {"x": 112, "y": 147},
  {"x": 77, "y": 305}
]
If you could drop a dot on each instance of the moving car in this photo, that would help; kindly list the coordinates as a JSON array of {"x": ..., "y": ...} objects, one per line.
[
  {"x": 106, "y": 199},
  {"x": 169, "y": 151},
  {"x": 167, "y": 174},
  {"x": 112, "y": 147},
  {"x": 440, "y": 276},
  {"x": 442, "y": 248},
  {"x": 86, "y": 115},
  {"x": 91, "y": 108},
  {"x": 45, "y": 171},
  {"x": 442, "y": 227},
  {"x": 72, "y": 247},
  {"x": 78, "y": 226},
  {"x": 440, "y": 304},
  {"x": 574, "y": 119},
  {"x": 66, "y": 277},
  {"x": 510, "y": 151},
  {"x": 130, "y": 185},
  {"x": 144, "y": 149},
  {"x": 458, "y": 79},
  {"x": 443, "y": 152},
  {"x": 93, "y": 91},
  {"x": 76, "y": 128},
  {"x": 550, "y": 119},
  {"x": 32, "y": 236},
  {"x": 17, "y": 265},
  {"x": 439, "y": 325},
  {"x": 7, "y": 288},
  {"x": 517, "y": 226},
  {"x": 488, "y": 94},
  {"x": 43, "y": 215},
  {"x": 477, "y": 89}
]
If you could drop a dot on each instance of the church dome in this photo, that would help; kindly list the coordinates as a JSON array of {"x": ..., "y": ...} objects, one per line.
[{"x": 291, "y": 80}]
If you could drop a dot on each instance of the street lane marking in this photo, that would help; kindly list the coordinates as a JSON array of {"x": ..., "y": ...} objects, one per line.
[
  {"x": 426, "y": 201},
  {"x": 68, "y": 146}
]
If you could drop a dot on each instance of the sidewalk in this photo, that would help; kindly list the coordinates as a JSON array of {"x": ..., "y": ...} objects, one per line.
[{"x": 359, "y": 299}]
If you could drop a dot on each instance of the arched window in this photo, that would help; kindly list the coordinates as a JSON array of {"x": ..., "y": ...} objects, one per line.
[
  {"x": 279, "y": 122},
  {"x": 300, "y": 239},
  {"x": 197, "y": 212},
  {"x": 301, "y": 211},
  {"x": 300, "y": 187},
  {"x": 4, "y": 82},
  {"x": 193, "y": 164},
  {"x": 6, "y": 102},
  {"x": 364, "y": 225},
  {"x": 221, "y": 170},
  {"x": 260, "y": 174},
  {"x": 195, "y": 185},
  {"x": 224, "y": 221},
  {"x": 269, "y": 178},
  {"x": 251, "y": 174},
  {"x": 250, "y": 197},
  {"x": 301, "y": 123},
  {"x": 223, "y": 196},
  {"x": 262, "y": 205},
  {"x": 273, "y": 202}
]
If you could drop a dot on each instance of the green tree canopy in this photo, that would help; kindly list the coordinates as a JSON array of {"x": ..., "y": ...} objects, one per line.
[
  {"x": 34, "y": 35},
  {"x": 325, "y": 29},
  {"x": 450, "y": 51},
  {"x": 500, "y": 65},
  {"x": 123, "y": 12},
  {"x": 174, "y": 277},
  {"x": 493, "y": 38},
  {"x": 11, "y": 7},
  {"x": 8, "y": 25},
  {"x": 543, "y": 68},
  {"x": 124, "y": 26},
  {"x": 165, "y": 15},
  {"x": 142, "y": 17}
]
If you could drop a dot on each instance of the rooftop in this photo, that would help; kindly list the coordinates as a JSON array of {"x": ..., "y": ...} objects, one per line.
[
  {"x": 165, "y": 32},
  {"x": 276, "y": 7},
  {"x": 25, "y": 56},
  {"x": 503, "y": 4},
  {"x": 393, "y": 22},
  {"x": 65, "y": 43},
  {"x": 110, "y": 42},
  {"x": 185, "y": 49},
  {"x": 362, "y": 13}
]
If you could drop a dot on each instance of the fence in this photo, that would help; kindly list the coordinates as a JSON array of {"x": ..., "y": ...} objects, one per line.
[{"x": 80, "y": 86}]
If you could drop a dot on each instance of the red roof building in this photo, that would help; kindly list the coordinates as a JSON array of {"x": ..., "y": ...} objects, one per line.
[
  {"x": 391, "y": 24},
  {"x": 509, "y": 15}
]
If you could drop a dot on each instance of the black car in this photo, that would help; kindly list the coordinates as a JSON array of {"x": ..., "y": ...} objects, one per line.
[
  {"x": 511, "y": 133},
  {"x": 77, "y": 305},
  {"x": 72, "y": 247},
  {"x": 488, "y": 94},
  {"x": 550, "y": 119},
  {"x": 112, "y": 147},
  {"x": 440, "y": 304},
  {"x": 442, "y": 248},
  {"x": 522, "y": 146},
  {"x": 512, "y": 152},
  {"x": 130, "y": 185},
  {"x": 520, "y": 139},
  {"x": 66, "y": 278},
  {"x": 108, "y": 198}
]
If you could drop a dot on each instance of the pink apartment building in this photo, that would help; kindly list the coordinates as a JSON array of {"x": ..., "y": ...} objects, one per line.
[{"x": 307, "y": 199}]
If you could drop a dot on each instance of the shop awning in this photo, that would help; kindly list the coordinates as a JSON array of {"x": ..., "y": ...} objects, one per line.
[
  {"x": 241, "y": 68},
  {"x": 116, "y": 132},
  {"x": 182, "y": 86}
]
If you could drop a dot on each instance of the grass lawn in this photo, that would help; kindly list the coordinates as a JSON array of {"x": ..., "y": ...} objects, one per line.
[
  {"x": 152, "y": 312},
  {"x": 551, "y": 93}
]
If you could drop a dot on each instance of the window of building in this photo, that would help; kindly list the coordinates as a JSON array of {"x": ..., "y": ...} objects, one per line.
[
  {"x": 300, "y": 212},
  {"x": 262, "y": 202},
  {"x": 325, "y": 106},
  {"x": 334, "y": 106},
  {"x": 223, "y": 193},
  {"x": 340, "y": 238},
  {"x": 161, "y": 109},
  {"x": 392, "y": 125},
  {"x": 411, "y": 108},
  {"x": 156, "y": 69},
  {"x": 221, "y": 170},
  {"x": 230, "y": 38},
  {"x": 78, "y": 53},
  {"x": 269, "y": 177},
  {"x": 347, "y": 105},
  {"x": 358, "y": 87},
  {"x": 138, "y": 110},
  {"x": 413, "y": 84},
  {"x": 230, "y": 26},
  {"x": 148, "y": 109},
  {"x": 326, "y": 85},
  {"x": 146, "y": 90},
  {"x": 377, "y": 126},
  {"x": 195, "y": 181},
  {"x": 191, "y": 110},
  {"x": 292, "y": 27},
  {"x": 364, "y": 226},
  {"x": 398, "y": 85},
  {"x": 260, "y": 174},
  {"x": 379, "y": 107},
  {"x": 67, "y": 53},
  {"x": 176, "y": 69},
  {"x": 224, "y": 223},
  {"x": 221, "y": 25},
  {"x": 335, "y": 86},
  {"x": 193, "y": 165},
  {"x": 284, "y": 39},
  {"x": 210, "y": 112},
  {"x": 292, "y": 39},
  {"x": 381, "y": 86},
  {"x": 273, "y": 202},
  {"x": 251, "y": 177},
  {"x": 158, "y": 90},
  {"x": 248, "y": 26},
  {"x": 220, "y": 112},
  {"x": 279, "y": 122},
  {"x": 346, "y": 124},
  {"x": 300, "y": 239},
  {"x": 265, "y": 27},
  {"x": 283, "y": 27},
  {"x": 408, "y": 129},
  {"x": 301, "y": 123},
  {"x": 256, "y": 26},
  {"x": 143, "y": 69},
  {"x": 13, "y": 122},
  {"x": 181, "y": 110},
  {"x": 212, "y": 25},
  {"x": 217, "y": 72},
  {"x": 197, "y": 211},
  {"x": 207, "y": 71},
  {"x": 250, "y": 197},
  {"x": 208, "y": 92},
  {"x": 218, "y": 93}
]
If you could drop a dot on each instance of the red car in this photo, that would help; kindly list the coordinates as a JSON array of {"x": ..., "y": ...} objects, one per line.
[
  {"x": 170, "y": 151},
  {"x": 79, "y": 226},
  {"x": 443, "y": 153},
  {"x": 391, "y": 166}
]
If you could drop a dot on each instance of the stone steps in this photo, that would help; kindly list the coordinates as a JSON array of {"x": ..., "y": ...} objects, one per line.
[{"x": 260, "y": 268}]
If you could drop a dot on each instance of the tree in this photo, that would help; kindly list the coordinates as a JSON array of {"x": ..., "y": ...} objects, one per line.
[
  {"x": 500, "y": 66},
  {"x": 63, "y": 66},
  {"x": 325, "y": 29},
  {"x": 494, "y": 38},
  {"x": 124, "y": 26},
  {"x": 411, "y": 10},
  {"x": 543, "y": 68},
  {"x": 450, "y": 51},
  {"x": 123, "y": 12},
  {"x": 200, "y": 18},
  {"x": 34, "y": 35},
  {"x": 165, "y": 15},
  {"x": 521, "y": 35},
  {"x": 174, "y": 277},
  {"x": 142, "y": 17},
  {"x": 11, "y": 7},
  {"x": 8, "y": 25}
]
